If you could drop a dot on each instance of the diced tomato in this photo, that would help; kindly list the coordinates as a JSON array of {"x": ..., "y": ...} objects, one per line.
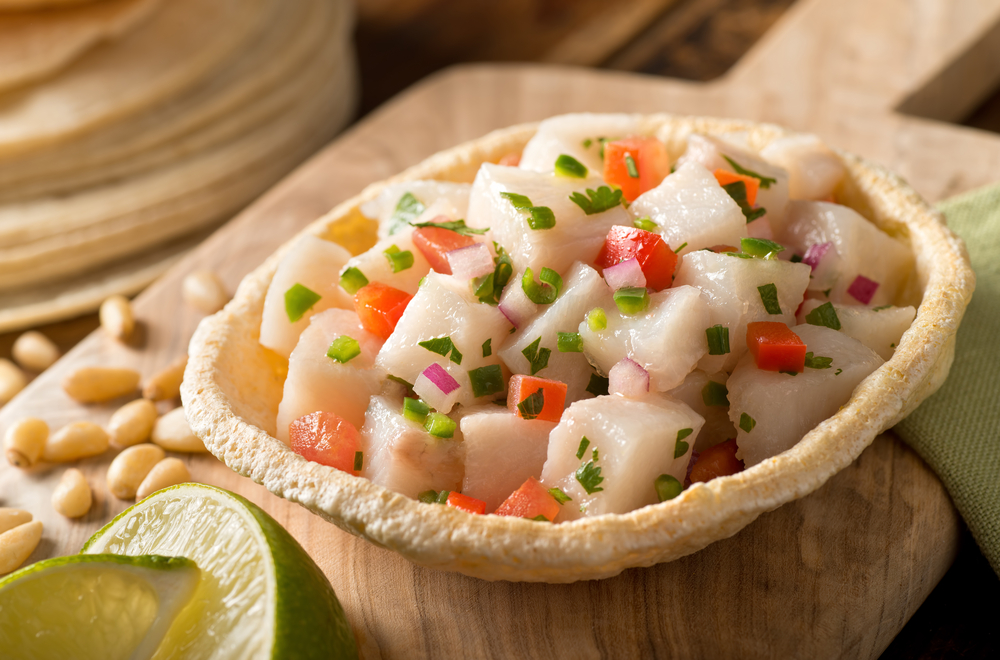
[
  {"x": 530, "y": 501},
  {"x": 775, "y": 347},
  {"x": 523, "y": 387},
  {"x": 325, "y": 438},
  {"x": 655, "y": 257},
  {"x": 435, "y": 242},
  {"x": 465, "y": 503},
  {"x": 717, "y": 461},
  {"x": 649, "y": 157},
  {"x": 379, "y": 307},
  {"x": 752, "y": 184},
  {"x": 512, "y": 159}
]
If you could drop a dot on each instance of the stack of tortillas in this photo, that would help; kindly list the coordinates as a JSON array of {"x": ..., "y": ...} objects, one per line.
[{"x": 129, "y": 129}]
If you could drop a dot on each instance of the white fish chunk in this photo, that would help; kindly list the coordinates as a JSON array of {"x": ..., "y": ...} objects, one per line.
[
  {"x": 577, "y": 135},
  {"x": 814, "y": 171},
  {"x": 376, "y": 266},
  {"x": 880, "y": 329},
  {"x": 434, "y": 197}
]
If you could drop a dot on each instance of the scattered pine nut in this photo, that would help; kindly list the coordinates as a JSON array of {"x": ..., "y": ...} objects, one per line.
[
  {"x": 166, "y": 383},
  {"x": 173, "y": 433},
  {"x": 34, "y": 351},
  {"x": 12, "y": 380},
  {"x": 97, "y": 384},
  {"x": 76, "y": 440},
  {"x": 11, "y": 518},
  {"x": 168, "y": 472},
  {"x": 24, "y": 441},
  {"x": 72, "y": 497},
  {"x": 117, "y": 318},
  {"x": 129, "y": 469},
  {"x": 203, "y": 291},
  {"x": 132, "y": 423},
  {"x": 17, "y": 544}
]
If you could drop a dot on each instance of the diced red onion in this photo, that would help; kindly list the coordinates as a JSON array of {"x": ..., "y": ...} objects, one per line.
[
  {"x": 862, "y": 289},
  {"x": 437, "y": 388},
  {"x": 815, "y": 254},
  {"x": 628, "y": 379},
  {"x": 470, "y": 261},
  {"x": 516, "y": 306},
  {"x": 627, "y": 273}
]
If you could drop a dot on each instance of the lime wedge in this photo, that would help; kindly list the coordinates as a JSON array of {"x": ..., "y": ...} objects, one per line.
[
  {"x": 93, "y": 606},
  {"x": 260, "y": 596}
]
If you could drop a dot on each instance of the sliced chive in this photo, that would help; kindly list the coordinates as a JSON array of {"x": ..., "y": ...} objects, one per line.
[
  {"x": 518, "y": 201},
  {"x": 440, "y": 425},
  {"x": 584, "y": 443},
  {"x": 597, "y": 320},
  {"x": 531, "y": 407},
  {"x": 747, "y": 422},
  {"x": 546, "y": 290},
  {"x": 559, "y": 495},
  {"x": 761, "y": 248},
  {"x": 343, "y": 349},
  {"x": 632, "y": 299},
  {"x": 541, "y": 217},
  {"x": 566, "y": 165},
  {"x": 488, "y": 347},
  {"x": 667, "y": 487},
  {"x": 718, "y": 339},
  {"x": 352, "y": 279},
  {"x": 399, "y": 260},
  {"x": 825, "y": 315},
  {"x": 769, "y": 297},
  {"x": 299, "y": 300},
  {"x": 415, "y": 410},
  {"x": 818, "y": 361},
  {"x": 683, "y": 245},
  {"x": 442, "y": 497},
  {"x": 536, "y": 355},
  {"x": 598, "y": 385},
  {"x": 359, "y": 460},
  {"x": 569, "y": 342},
  {"x": 645, "y": 224},
  {"x": 633, "y": 171},
  {"x": 881, "y": 307},
  {"x": 715, "y": 394},
  {"x": 428, "y": 497},
  {"x": 486, "y": 380}
]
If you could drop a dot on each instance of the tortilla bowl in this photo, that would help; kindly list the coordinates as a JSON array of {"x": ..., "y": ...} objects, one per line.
[{"x": 232, "y": 388}]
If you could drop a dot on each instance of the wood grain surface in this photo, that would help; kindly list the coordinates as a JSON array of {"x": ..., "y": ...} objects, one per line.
[{"x": 835, "y": 574}]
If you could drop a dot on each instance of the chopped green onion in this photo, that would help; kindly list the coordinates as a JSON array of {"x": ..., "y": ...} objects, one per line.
[
  {"x": 632, "y": 299},
  {"x": 818, "y": 361},
  {"x": 825, "y": 315},
  {"x": 440, "y": 425},
  {"x": 597, "y": 201},
  {"x": 352, "y": 279},
  {"x": 488, "y": 347},
  {"x": 536, "y": 356},
  {"x": 428, "y": 497},
  {"x": 541, "y": 217},
  {"x": 718, "y": 339},
  {"x": 560, "y": 495},
  {"x": 765, "y": 181},
  {"x": 546, "y": 290},
  {"x": 442, "y": 497},
  {"x": 442, "y": 346},
  {"x": 715, "y": 394},
  {"x": 299, "y": 300},
  {"x": 681, "y": 447},
  {"x": 457, "y": 226},
  {"x": 344, "y": 349},
  {"x": 566, "y": 165},
  {"x": 399, "y": 260},
  {"x": 415, "y": 410},
  {"x": 761, "y": 248},
  {"x": 486, "y": 380},
  {"x": 597, "y": 320},
  {"x": 633, "y": 171},
  {"x": 598, "y": 385},
  {"x": 667, "y": 487},
  {"x": 747, "y": 422},
  {"x": 738, "y": 191},
  {"x": 589, "y": 476},
  {"x": 531, "y": 407},
  {"x": 569, "y": 342},
  {"x": 359, "y": 460},
  {"x": 518, "y": 201},
  {"x": 584, "y": 443},
  {"x": 408, "y": 209},
  {"x": 645, "y": 224},
  {"x": 769, "y": 296},
  {"x": 397, "y": 379},
  {"x": 683, "y": 245}
]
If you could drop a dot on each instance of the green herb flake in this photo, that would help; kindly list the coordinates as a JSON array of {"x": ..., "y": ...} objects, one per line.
[
  {"x": 827, "y": 292},
  {"x": 586, "y": 143},
  {"x": 397, "y": 379},
  {"x": 408, "y": 209},
  {"x": 597, "y": 320},
  {"x": 400, "y": 260},
  {"x": 343, "y": 349},
  {"x": 795, "y": 259},
  {"x": 440, "y": 425},
  {"x": 442, "y": 497},
  {"x": 747, "y": 422},
  {"x": 359, "y": 460},
  {"x": 738, "y": 191},
  {"x": 457, "y": 226},
  {"x": 560, "y": 496},
  {"x": 818, "y": 361},
  {"x": 584, "y": 443},
  {"x": 518, "y": 201},
  {"x": 490, "y": 287},
  {"x": 415, "y": 410},
  {"x": 633, "y": 171},
  {"x": 486, "y": 380},
  {"x": 715, "y": 394},
  {"x": 537, "y": 356},
  {"x": 838, "y": 372},
  {"x": 352, "y": 279},
  {"x": 428, "y": 497},
  {"x": 769, "y": 297},
  {"x": 442, "y": 346},
  {"x": 598, "y": 385},
  {"x": 488, "y": 347},
  {"x": 881, "y": 307},
  {"x": 667, "y": 487},
  {"x": 546, "y": 290},
  {"x": 765, "y": 181},
  {"x": 569, "y": 342},
  {"x": 825, "y": 315},
  {"x": 541, "y": 518},
  {"x": 789, "y": 373},
  {"x": 299, "y": 300},
  {"x": 718, "y": 340},
  {"x": 683, "y": 245},
  {"x": 531, "y": 407},
  {"x": 568, "y": 166},
  {"x": 681, "y": 447},
  {"x": 645, "y": 224},
  {"x": 597, "y": 201},
  {"x": 761, "y": 248},
  {"x": 589, "y": 476},
  {"x": 632, "y": 299},
  {"x": 541, "y": 217}
]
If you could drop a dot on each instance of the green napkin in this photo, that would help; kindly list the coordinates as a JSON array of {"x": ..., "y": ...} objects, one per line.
[{"x": 957, "y": 431}]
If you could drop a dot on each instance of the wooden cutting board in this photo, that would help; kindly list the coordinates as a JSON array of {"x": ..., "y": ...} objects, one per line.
[{"x": 836, "y": 573}]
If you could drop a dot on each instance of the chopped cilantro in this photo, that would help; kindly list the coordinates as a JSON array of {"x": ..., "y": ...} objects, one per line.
[
  {"x": 586, "y": 143},
  {"x": 541, "y": 217},
  {"x": 486, "y": 380},
  {"x": 457, "y": 226},
  {"x": 399, "y": 260},
  {"x": 769, "y": 297},
  {"x": 589, "y": 476},
  {"x": 546, "y": 290},
  {"x": 715, "y": 394},
  {"x": 827, "y": 292},
  {"x": 667, "y": 487},
  {"x": 747, "y": 422},
  {"x": 541, "y": 518},
  {"x": 442, "y": 346},
  {"x": 761, "y": 248},
  {"x": 738, "y": 191},
  {"x": 838, "y": 372},
  {"x": 718, "y": 339},
  {"x": 343, "y": 349},
  {"x": 595, "y": 454},
  {"x": 824, "y": 315},
  {"x": 531, "y": 406},
  {"x": 560, "y": 496},
  {"x": 818, "y": 361},
  {"x": 795, "y": 259},
  {"x": 299, "y": 300},
  {"x": 537, "y": 357},
  {"x": 440, "y": 425},
  {"x": 584, "y": 443},
  {"x": 765, "y": 181},
  {"x": 566, "y": 165},
  {"x": 518, "y": 201},
  {"x": 598, "y": 385},
  {"x": 408, "y": 209},
  {"x": 597, "y": 201}
]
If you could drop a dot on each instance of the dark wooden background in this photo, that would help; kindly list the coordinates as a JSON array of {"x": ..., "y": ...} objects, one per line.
[{"x": 401, "y": 41}]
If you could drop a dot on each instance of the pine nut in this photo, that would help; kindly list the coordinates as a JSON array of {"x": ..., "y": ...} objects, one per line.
[
  {"x": 17, "y": 544},
  {"x": 24, "y": 441},
  {"x": 11, "y": 518},
  {"x": 76, "y": 440},
  {"x": 168, "y": 472},
  {"x": 117, "y": 318},
  {"x": 130, "y": 467},
  {"x": 34, "y": 351},
  {"x": 72, "y": 497},
  {"x": 132, "y": 423},
  {"x": 173, "y": 433},
  {"x": 12, "y": 380},
  {"x": 166, "y": 383},
  {"x": 203, "y": 291},
  {"x": 97, "y": 384}
]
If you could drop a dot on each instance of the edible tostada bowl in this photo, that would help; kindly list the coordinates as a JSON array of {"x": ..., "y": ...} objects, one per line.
[{"x": 232, "y": 388}]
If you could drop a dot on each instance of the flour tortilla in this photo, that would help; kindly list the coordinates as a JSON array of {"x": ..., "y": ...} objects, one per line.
[
  {"x": 232, "y": 388},
  {"x": 35, "y": 45}
]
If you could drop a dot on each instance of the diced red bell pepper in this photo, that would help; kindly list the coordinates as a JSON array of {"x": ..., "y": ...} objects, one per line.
[
  {"x": 325, "y": 438},
  {"x": 649, "y": 157},
  {"x": 775, "y": 347},
  {"x": 717, "y": 461},
  {"x": 530, "y": 501},
  {"x": 465, "y": 503},
  {"x": 435, "y": 242},
  {"x": 655, "y": 257},
  {"x": 725, "y": 177},
  {"x": 522, "y": 387},
  {"x": 379, "y": 307}
]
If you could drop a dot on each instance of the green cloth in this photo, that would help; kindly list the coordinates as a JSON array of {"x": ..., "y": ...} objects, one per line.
[{"x": 957, "y": 430}]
